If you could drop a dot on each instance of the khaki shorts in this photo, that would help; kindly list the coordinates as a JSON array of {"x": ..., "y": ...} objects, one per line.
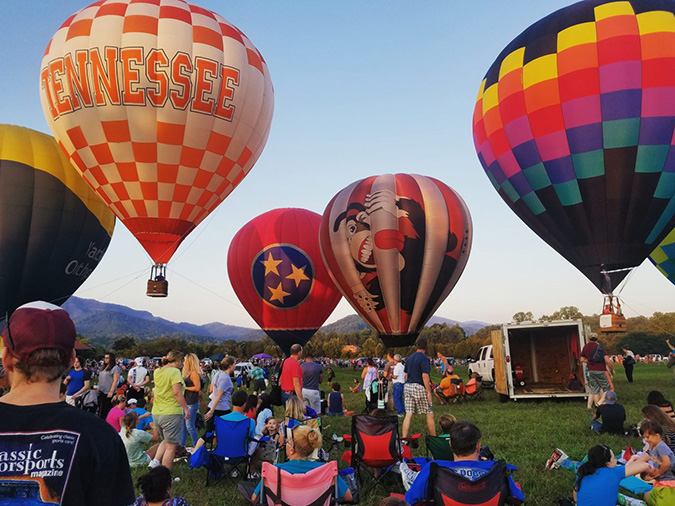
[
  {"x": 415, "y": 399},
  {"x": 169, "y": 427},
  {"x": 598, "y": 382}
]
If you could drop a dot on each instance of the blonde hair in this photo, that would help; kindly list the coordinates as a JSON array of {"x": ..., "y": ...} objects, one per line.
[
  {"x": 130, "y": 421},
  {"x": 306, "y": 440},
  {"x": 295, "y": 408},
  {"x": 191, "y": 365},
  {"x": 172, "y": 356},
  {"x": 118, "y": 399},
  {"x": 446, "y": 422}
]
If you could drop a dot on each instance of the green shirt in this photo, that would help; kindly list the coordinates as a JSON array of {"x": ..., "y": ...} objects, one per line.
[
  {"x": 134, "y": 445},
  {"x": 257, "y": 373},
  {"x": 165, "y": 403}
]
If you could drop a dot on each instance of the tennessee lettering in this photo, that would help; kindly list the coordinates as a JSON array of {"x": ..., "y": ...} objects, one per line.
[{"x": 128, "y": 76}]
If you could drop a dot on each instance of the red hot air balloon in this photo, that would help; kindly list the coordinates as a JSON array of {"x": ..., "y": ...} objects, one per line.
[
  {"x": 275, "y": 268},
  {"x": 163, "y": 106},
  {"x": 395, "y": 245}
]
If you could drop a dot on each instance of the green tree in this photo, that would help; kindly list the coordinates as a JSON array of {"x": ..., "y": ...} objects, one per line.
[
  {"x": 124, "y": 343},
  {"x": 521, "y": 317},
  {"x": 564, "y": 313}
]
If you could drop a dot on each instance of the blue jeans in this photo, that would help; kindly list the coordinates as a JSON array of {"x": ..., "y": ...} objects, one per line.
[
  {"x": 398, "y": 398},
  {"x": 596, "y": 426},
  {"x": 189, "y": 425}
]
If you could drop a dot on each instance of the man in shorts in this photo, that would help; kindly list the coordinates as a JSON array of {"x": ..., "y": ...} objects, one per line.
[
  {"x": 593, "y": 355},
  {"x": 417, "y": 389}
]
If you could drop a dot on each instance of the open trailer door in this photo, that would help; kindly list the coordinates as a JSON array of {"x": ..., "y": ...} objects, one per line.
[{"x": 500, "y": 362}]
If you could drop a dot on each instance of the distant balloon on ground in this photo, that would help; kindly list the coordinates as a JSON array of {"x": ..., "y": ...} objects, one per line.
[
  {"x": 396, "y": 246},
  {"x": 275, "y": 268},
  {"x": 574, "y": 125},
  {"x": 54, "y": 229}
]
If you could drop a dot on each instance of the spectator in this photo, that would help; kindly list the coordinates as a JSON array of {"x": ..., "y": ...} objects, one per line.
[
  {"x": 613, "y": 416},
  {"x": 465, "y": 441},
  {"x": 593, "y": 355},
  {"x": 449, "y": 388},
  {"x": 137, "y": 378},
  {"x": 78, "y": 381},
  {"x": 331, "y": 375},
  {"x": 135, "y": 440},
  {"x": 417, "y": 390},
  {"x": 628, "y": 363},
  {"x": 656, "y": 414},
  {"x": 193, "y": 388},
  {"x": 116, "y": 413},
  {"x": 39, "y": 343},
  {"x": 251, "y": 406},
  {"x": 258, "y": 376},
  {"x": 655, "y": 397},
  {"x": 356, "y": 386},
  {"x": 369, "y": 376},
  {"x": 398, "y": 376},
  {"x": 388, "y": 376},
  {"x": 221, "y": 394},
  {"x": 156, "y": 488},
  {"x": 291, "y": 375},
  {"x": 144, "y": 416},
  {"x": 169, "y": 408},
  {"x": 262, "y": 414},
  {"x": 108, "y": 378},
  {"x": 663, "y": 459},
  {"x": 598, "y": 478},
  {"x": 312, "y": 376},
  {"x": 336, "y": 401}
]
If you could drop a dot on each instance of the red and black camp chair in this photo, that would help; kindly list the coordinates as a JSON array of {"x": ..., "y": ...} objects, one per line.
[
  {"x": 375, "y": 445},
  {"x": 448, "y": 488}
]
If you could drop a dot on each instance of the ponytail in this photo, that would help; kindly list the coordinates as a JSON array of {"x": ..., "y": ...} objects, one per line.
[
  {"x": 130, "y": 421},
  {"x": 172, "y": 356},
  {"x": 598, "y": 457}
]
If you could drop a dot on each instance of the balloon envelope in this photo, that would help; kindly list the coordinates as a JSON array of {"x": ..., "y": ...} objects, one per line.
[
  {"x": 54, "y": 229},
  {"x": 163, "y": 106},
  {"x": 275, "y": 268},
  {"x": 396, "y": 246},
  {"x": 574, "y": 126},
  {"x": 663, "y": 257}
]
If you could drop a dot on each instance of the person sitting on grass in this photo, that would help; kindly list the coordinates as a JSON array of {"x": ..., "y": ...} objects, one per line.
[
  {"x": 657, "y": 398},
  {"x": 656, "y": 414},
  {"x": 336, "y": 401},
  {"x": 156, "y": 488},
  {"x": 135, "y": 440},
  {"x": 661, "y": 460},
  {"x": 262, "y": 414},
  {"x": 613, "y": 416},
  {"x": 299, "y": 447},
  {"x": 144, "y": 416},
  {"x": 356, "y": 387},
  {"x": 251, "y": 406},
  {"x": 465, "y": 442},
  {"x": 116, "y": 413}
]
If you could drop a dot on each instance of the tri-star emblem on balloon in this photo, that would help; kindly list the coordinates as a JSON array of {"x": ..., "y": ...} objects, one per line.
[{"x": 282, "y": 275}]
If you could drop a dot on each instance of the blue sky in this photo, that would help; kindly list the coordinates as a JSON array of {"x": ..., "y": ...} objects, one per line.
[{"x": 361, "y": 88}]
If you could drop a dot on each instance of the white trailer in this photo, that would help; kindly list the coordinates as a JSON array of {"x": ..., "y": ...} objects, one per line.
[{"x": 546, "y": 353}]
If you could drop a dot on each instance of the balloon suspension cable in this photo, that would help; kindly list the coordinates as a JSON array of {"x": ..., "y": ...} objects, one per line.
[
  {"x": 207, "y": 290},
  {"x": 625, "y": 281},
  {"x": 640, "y": 314}
]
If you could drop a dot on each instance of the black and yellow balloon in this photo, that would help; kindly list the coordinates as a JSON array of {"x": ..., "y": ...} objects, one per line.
[{"x": 54, "y": 229}]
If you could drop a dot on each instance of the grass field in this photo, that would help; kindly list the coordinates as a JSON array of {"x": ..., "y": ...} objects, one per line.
[{"x": 522, "y": 433}]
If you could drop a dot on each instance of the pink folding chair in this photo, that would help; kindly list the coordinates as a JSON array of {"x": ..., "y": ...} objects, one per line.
[{"x": 317, "y": 487}]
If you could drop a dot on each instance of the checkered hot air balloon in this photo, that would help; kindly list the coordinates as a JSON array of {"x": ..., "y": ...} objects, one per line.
[
  {"x": 163, "y": 106},
  {"x": 275, "y": 268},
  {"x": 396, "y": 245},
  {"x": 663, "y": 257},
  {"x": 574, "y": 125}
]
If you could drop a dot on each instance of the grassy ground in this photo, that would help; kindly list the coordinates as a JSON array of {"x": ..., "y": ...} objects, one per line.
[{"x": 523, "y": 433}]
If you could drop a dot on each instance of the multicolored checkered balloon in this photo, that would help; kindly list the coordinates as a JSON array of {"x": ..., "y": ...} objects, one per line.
[
  {"x": 574, "y": 126},
  {"x": 663, "y": 257},
  {"x": 163, "y": 106}
]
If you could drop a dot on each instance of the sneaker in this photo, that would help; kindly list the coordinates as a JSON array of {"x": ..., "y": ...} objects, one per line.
[
  {"x": 407, "y": 475},
  {"x": 154, "y": 463},
  {"x": 556, "y": 458}
]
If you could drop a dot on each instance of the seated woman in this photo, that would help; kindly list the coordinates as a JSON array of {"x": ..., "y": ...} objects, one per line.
[
  {"x": 356, "y": 387},
  {"x": 657, "y": 398},
  {"x": 304, "y": 442},
  {"x": 656, "y": 414},
  {"x": 156, "y": 488},
  {"x": 336, "y": 401},
  {"x": 135, "y": 440}
]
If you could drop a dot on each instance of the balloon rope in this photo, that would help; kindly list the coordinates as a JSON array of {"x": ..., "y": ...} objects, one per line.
[
  {"x": 640, "y": 314},
  {"x": 206, "y": 222},
  {"x": 617, "y": 270},
  {"x": 208, "y": 290},
  {"x": 141, "y": 273},
  {"x": 624, "y": 283}
]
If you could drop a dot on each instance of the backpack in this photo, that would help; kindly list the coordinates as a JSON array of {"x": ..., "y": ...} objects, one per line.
[{"x": 598, "y": 355}]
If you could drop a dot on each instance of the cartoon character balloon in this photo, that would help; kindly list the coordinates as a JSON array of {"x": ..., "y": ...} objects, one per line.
[
  {"x": 396, "y": 246},
  {"x": 54, "y": 229},
  {"x": 276, "y": 271},
  {"x": 574, "y": 126},
  {"x": 163, "y": 106},
  {"x": 663, "y": 257}
]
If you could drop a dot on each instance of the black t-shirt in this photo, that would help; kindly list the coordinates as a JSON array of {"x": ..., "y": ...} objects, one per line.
[
  {"x": 415, "y": 366},
  {"x": 613, "y": 416},
  {"x": 63, "y": 454}
]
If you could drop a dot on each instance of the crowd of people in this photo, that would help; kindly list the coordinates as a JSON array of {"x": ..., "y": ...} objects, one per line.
[{"x": 100, "y": 447}]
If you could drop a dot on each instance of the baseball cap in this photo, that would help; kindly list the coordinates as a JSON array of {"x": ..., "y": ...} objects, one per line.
[
  {"x": 131, "y": 401},
  {"x": 38, "y": 325},
  {"x": 610, "y": 397},
  {"x": 139, "y": 360}
]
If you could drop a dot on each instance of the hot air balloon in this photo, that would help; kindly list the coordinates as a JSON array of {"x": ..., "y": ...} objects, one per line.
[
  {"x": 54, "y": 229},
  {"x": 163, "y": 107},
  {"x": 396, "y": 245},
  {"x": 276, "y": 271},
  {"x": 574, "y": 125},
  {"x": 663, "y": 257}
]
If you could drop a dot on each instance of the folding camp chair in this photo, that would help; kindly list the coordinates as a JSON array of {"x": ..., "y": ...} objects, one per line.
[
  {"x": 230, "y": 455},
  {"x": 375, "y": 444},
  {"x": 439, "y": 448},
  {"x": 452, "y": 489},
  {"x": 473, "y": 389},
  {"x": 317, "y": 487}
]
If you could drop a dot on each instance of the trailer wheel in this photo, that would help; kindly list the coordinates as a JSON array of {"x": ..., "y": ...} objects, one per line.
[{"x": 503, "y": 398}]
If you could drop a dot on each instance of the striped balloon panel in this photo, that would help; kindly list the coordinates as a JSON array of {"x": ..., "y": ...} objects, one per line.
[
  {"x": 574, "y": 126},
  {"x": 396, "y": 245},
  {"x": 163, "y": 106}
]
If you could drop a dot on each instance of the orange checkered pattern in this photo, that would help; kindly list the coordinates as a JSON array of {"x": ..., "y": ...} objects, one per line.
[{"x": 162, "y": 169}]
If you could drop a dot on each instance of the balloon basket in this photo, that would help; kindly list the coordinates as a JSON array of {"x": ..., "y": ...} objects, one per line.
[{"x": 158, "y": 286}]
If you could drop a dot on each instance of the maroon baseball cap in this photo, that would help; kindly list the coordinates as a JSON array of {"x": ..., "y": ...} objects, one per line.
[{"x": 38, "y": 325}]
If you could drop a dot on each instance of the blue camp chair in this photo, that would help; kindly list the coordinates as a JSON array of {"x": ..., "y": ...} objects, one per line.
[{"x": 230, "y": 455}]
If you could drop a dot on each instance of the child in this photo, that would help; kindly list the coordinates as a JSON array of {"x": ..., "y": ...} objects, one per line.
[
  {"x": 250, "y": 406},
  {"x": 116, "y": 413},
  {"x": 661, "y": 460},
  {"x": 156, "y": 488},
  {"x": 356, "y": 387},
  {"x": 336, "y": 401},
  {"x": 271, "y": 446},
  {"x": 135, "y": 440},
  {"x": 446, "y": 422}
]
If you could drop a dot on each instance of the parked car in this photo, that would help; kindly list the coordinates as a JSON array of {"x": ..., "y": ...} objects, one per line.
[{"x": 241, "y": 367}]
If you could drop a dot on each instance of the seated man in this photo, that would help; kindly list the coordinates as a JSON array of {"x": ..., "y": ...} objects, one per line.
[
  {"x": 465, "y": 442},
  {"x": 449, "y": 387},
  {"x": 612, "y": 415}
]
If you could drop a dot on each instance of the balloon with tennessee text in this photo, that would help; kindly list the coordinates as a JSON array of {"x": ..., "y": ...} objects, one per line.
[
  {"x": 574, "y": 126},
  {"x": 396, "y": 245},
  {"x": 663, "y": 257},
  {"x": 163, "y": 106},
  {"x": 275, "y": 268},
  {"x": 54, "y": 229}
]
